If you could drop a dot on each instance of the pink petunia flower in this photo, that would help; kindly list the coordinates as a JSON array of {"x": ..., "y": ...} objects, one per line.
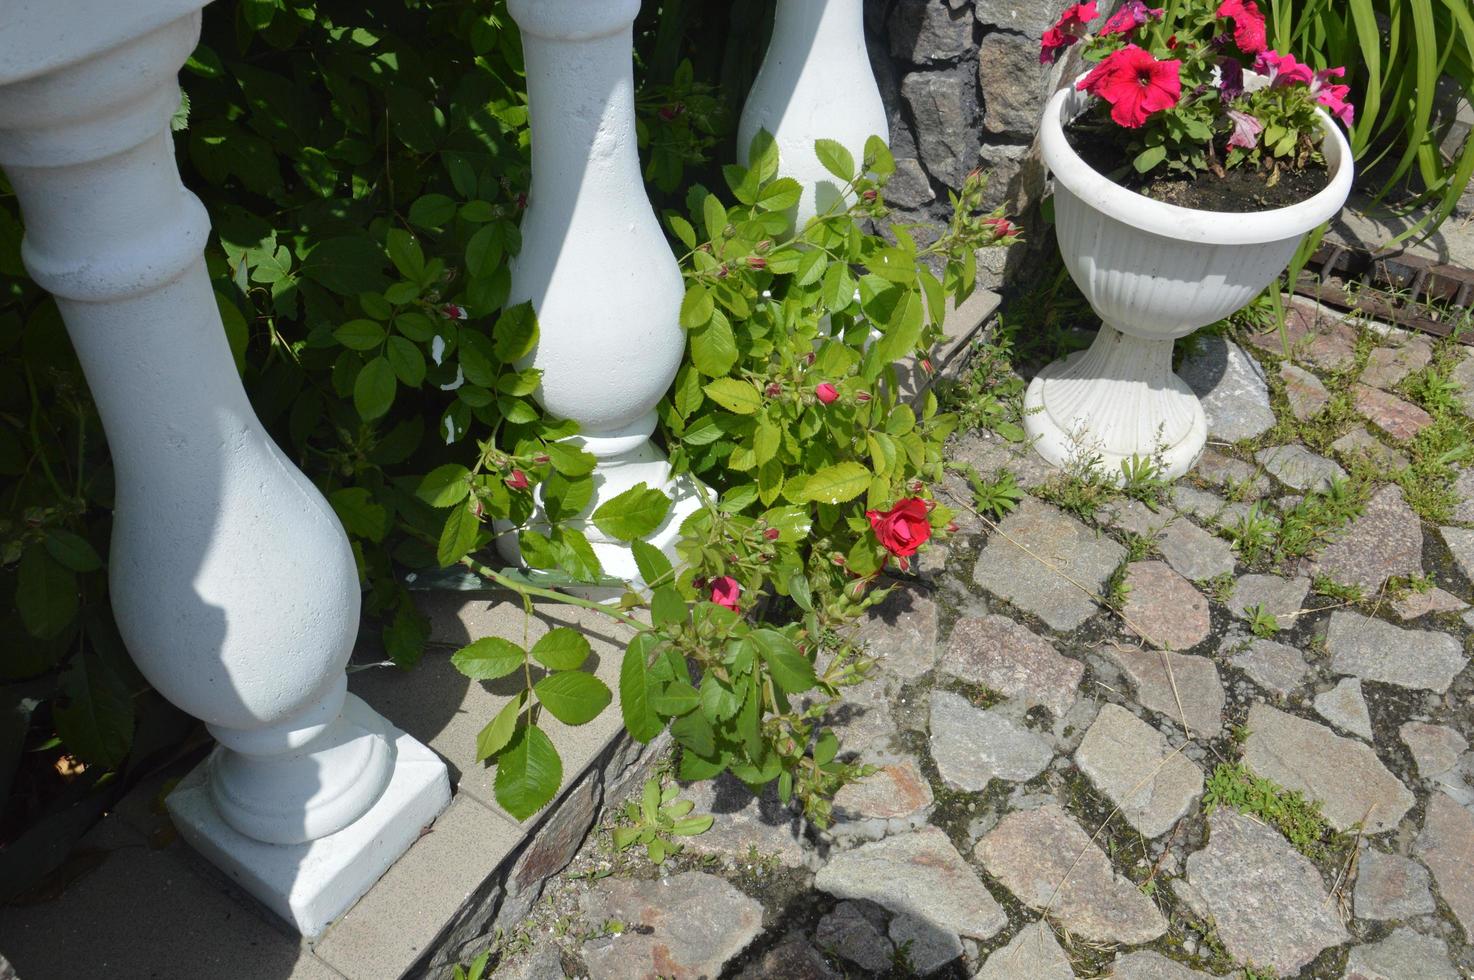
[
  {"x": 1249, "y": 31},
  {"x": 1333, "y": 95},
  {"x": 1071, "y": 26},
  {"x": 1132, "y": 15},
  {"x": 1282, "y": 69},
  {"x": 1246, "y": 130},
  {"x": 1135, "y": 84}
]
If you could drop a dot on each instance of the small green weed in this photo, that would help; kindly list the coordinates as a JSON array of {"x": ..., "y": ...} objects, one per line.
[
  {"x": 996, "y": 497},
  {"x": 1262, "y": 622},
  {"x": 1288, "y": 811},
  {"x": 657, "y": 819}
]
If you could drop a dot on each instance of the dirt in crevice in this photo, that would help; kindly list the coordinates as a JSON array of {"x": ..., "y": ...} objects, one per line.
[{"x": 1243, "y": 189}]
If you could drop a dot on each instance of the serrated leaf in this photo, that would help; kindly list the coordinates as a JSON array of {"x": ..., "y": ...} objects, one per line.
[
  {"x": 791, "y": 670},
  {"x": 835, "y": 159},
  {"x": 528, "y": 773},
  {"x": 640, "y": 719},
  {"x": 488, "y": 658},
  {"x": 837, "y": 483},
  {"x": 696, "y": 307},
  {"x": 636, "y": 513},
  {"x": 572, "y": 696},
  {"x": 458, "y": 536},
  {"x": 569, "y": 459},
  {"x": 406, "y": 360},
  {"x": 373, "y": 390},
  {"x": 96, "y": 720},
  {"x": 499, "y": 731},
  {"x": 359, "y": 334},
  {"x": 676, "y": 698},
  {"x": 360, "y": 514},
  {"x": 667, "y": 608},
  {"x": 713, "y": 347},
  {"x": 780, "y": 195},
  {"x": 515, "y": 334},
  {"x": 654, "y": 566},
  {"x": 562, "y": 648},
  {"x": 445, "y": 486},
  {"x": 72, "y": 550},
  {"x": 734, "y": 395}
]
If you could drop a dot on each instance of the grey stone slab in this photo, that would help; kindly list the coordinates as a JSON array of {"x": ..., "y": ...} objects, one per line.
[
  {"x": 1304, "y": 391},
  {"x": 1403, "y": 954},
  {"x": 1385, "y": 541},
  {"x": 1163, "y": 608},
  {"x": 397, "y": 921},
  {"x": 1446, "y": 846},
  {"x": 743, "y": 823},
  {"x": 1390, "y": 887},
  {"x": 1049, "y": 862},
  {"x": 1295, "y": 466},
  {"x": 1387, "y": 366},
  {"x": 1180, "y": 686},
  {"x": 1460, "y": 541},
  {"x": 795, "y": 958},
  {"x": 926, "y": 948},
  {"x": 893, "y": 799},
  {"x": 1277, "y": 667},
  {"x": 856, "y": 931},
  {"x": 1378, "y": 651},
  {"x": 1435, "y": 600},
  {"x": 1231, "y": 386},
  {"x": 918, "y": 874},
  {"x": 1463, "y": 489},
  {"x": 689, "y": 924},
  {"x": 1345, "y": 775},
  {"x": 1033, "y": 953},
  {"x": 1146, "y": 964},
  {"x": 1266, "y": 899},
  {"x": 1077, "y": 559},
  {"x": 1345, "y": 707},
  {"x": 922, "y": 32},
  {"x": 1397, "y": 418},
  {"x": 143, "y": 912},
  {"x": 1007, "y": 657},
  {"x": 1130, "y": 762},
  {"x": 901, "y": 632},
  {"x": 1361, "y": 442},
  {"x": 1222, "y": 470},
  {"x": 1282, "y": 598},
  {"x": 1196, "y": 555},
  {"x": 972, "y": 747},
  {"x": 1205, "y": 506},
  {"x": 1013, "y": 83},
  {"x": 1435, "y": 748}
]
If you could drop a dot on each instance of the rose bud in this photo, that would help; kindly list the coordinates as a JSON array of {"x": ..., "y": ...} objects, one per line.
[
  {"x": 926, "y": 365},
  {"x": 827, "y": 393},
  {"x": 869, "y": 196},
  {"x": 453, "y": 312},
  {"x": 838, "y": 559},
  {"x": 771, "y": 534},
  {"x": 667, "y": 112},
  {"x": 810, "y": 358},
  {"x": 518, "y": 480},
  {"x": 763, "y": 246},
  {"x": 478, "y": 508},
  {"x": 774, "y": 389},
  {"x": 862, "y": 396},
  {"x": 723, "y": 271},
  {"x": 541, "y": 458},
  {"x": 756, "y": 262},
  {"x": 953, "y": 527},
  {"x": 522, "y": 201},
  {"x": 917, "y": 486}
]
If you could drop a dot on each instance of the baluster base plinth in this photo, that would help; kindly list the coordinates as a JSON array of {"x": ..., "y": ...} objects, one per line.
[{"x": 310, "y": 885}]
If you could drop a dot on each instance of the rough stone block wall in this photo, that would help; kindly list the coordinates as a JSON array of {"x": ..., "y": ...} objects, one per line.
[{"x": 964, "y": 89}]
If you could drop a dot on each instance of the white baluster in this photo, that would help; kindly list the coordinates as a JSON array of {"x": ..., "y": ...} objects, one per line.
[
  {"x": 815, "y": 83},
  {"x": 231, "y": 579},
  {"x": 594, "y": 262}
]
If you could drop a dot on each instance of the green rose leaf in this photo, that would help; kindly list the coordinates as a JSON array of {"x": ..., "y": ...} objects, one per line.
[
  {"x": 633, "y": 514},
  {"x": 713, "y": 347},
  {"x": 791, "y": 670},
  {"x": 373, "y": 391},
  {"x": 635, "y": 693},
  {"x": 488, "y": 658},
  {"x": 562, "y": 649},
  {"x": 676, "y": 698},
  {"x": 780, "y": 195},
  {"x": 72, "y": 550},
  {"x": 445, "y": 486},
  {"x": 359, "y": 513},
  {"x": 458, "y": 536},
  {"x": 516, "y": 333},
  {"x": 359, "y": 334},
  {"x": 528, "y": 772},
  {"x": 838, "y": 483},
  {"x": 697, "y": 307},
  {"x": 499, "y": 731},
  {"x": 45, "y": 593},
  {"x": 651, "y": 561},
  {"x": 572, "y": 696},
  {"x": 734, "y": 395},
  {"x": 407, "y": 361},
  {"x": 836, "y": 159},
  {"x": 96, "y": 719}
]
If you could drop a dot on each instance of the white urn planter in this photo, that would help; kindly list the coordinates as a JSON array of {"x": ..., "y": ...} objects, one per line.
[
  {"x": 231, "y": 578},
  {"x": 594, "y": 262},
  {"x": 815, "y": 83},
  {"x": 1153, "y": 272}
]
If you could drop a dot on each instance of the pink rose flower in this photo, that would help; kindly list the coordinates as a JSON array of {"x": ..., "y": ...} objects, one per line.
[
  {"x": 725, "y": 591},
  {"x": 904, "y": 528},
  {"x": 827, "y": 393}
]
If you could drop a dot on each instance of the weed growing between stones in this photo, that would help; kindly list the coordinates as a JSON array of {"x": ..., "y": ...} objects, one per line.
[{"x": 1288, "y": 811}]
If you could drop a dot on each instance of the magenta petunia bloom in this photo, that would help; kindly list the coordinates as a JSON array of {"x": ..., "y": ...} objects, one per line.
[
  {"x": 1135, "y": 84},
  {"x": 1249, "y": 31},
  {"x": 1132, "y": 15},
  {"x": 1071, "y": 26},
  {"x": 1283, "y": 69},
  {"x": 1333, "y": 95}
]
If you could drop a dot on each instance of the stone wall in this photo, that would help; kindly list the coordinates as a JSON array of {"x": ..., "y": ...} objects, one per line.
[{"x": 964, "y": 88}]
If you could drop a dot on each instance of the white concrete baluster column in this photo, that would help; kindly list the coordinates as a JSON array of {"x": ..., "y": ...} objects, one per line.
[
  {"x": 231, "y": 579},
  {"x": 815, "y": 83},
  {"x": 594, "y": 261}
]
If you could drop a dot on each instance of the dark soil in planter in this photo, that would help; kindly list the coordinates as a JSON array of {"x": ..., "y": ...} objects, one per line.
[{"x": 1241, "y": 189}]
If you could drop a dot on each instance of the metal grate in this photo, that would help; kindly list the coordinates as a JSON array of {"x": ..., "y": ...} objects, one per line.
[{"x": 1404, "y": 290}]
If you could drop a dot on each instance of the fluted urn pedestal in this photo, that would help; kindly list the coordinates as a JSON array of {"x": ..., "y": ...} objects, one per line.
[
  {"x": 594, "y": 262},
  {"x": 1153, "y": 272},
  {"x": 815, "y": 83},
  {"x": 231, "y": 579}
]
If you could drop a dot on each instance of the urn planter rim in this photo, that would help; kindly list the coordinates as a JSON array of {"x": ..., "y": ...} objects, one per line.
[
  {"x": 573, "y": 20},
  {"x": 1190, "y": 224}
]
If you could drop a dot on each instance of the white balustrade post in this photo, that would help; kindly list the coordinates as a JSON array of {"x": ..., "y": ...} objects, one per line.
[
  {"x": 232, "y": 581},
  {"x": 815, "y": 83},
  {"x": 594, "y": 262}
]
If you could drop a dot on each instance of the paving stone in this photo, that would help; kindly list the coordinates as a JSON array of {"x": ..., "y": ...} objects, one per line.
[
  {"x": 1343, "y": 774},
  {"x": 1165, "y": 680},
  {"x": 1463, "y": 489},
  {"x": 1222, "y": 470},
  {"x": 1205, "y": 506},
  {"x": 1130, "y": 762},
  {"x": 1136, "y": 517},
  {"x": 901, "y": 632},
  {"x": 1295, "y": 466},
  {"x": 990, "y": 454},
  {"x": 1231, "y": 386},
  {"x": 1399, "y": 419},
  {"x": 1266, "y": 899},
  {"x": 1048, "y": 861},
  {"x": 1359, "y": 441},
  {"x": 1346, "y": 708},
  {"x": 1007, "y": 657},
  {"x": 1316, "y": 336},
  {"x": 794, "y": 958},
  {"x": 1458, "y": 782},
  {"x": 1069, "y": 546},
  {"x": 928, "y": 948},
  {"x": 1033, "y": 953},
  {"x": 1386, "y": 540},
  {"x": 971, "y": 746},
  {"x": 1390, "y": 887},
  {"x": 1378, "y": 651},
  {"x": 1282, "y": 598},
  {"x": 856, "y": 931},
  {"x": 690, "y": 925},
  {"x": 1304, "y": 391},
  {"x": 1197, "y": 555},
  {"x": 1435, "y": 748},
  {"x": 918, "y": 874},
  {"x": 893, "y": 799},
  {"x": 1277, "y": 667},
  {"x": 1401, "y": 956},
  {"x": 1146, "y": 964},
  {"x": 1446, "y": 846},
  {"x": 742, "y": 822},
  {"x": 1435, "y": 600},
  {"x": 1163, "y": 607},
  {"x": 1463, "y": 376},
  {"x": 1460, "y": 542},
  {"x": 1387, "y": 366},
  {"x": 545, "y": 962}
]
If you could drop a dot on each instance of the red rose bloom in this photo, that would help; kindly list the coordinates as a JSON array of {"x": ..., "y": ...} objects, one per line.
[
  {"x": 826, "y": 393},
  {"x": 724, "y": 591},
  {"x": 1135, "y": 84},
  {"x": 518, "y": 480},
  {"x": 902, "y": 529},
  {"x": 1248, "y": 24}
]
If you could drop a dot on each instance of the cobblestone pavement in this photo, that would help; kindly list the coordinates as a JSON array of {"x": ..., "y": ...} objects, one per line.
[{"x": 1045, "y": 759}]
